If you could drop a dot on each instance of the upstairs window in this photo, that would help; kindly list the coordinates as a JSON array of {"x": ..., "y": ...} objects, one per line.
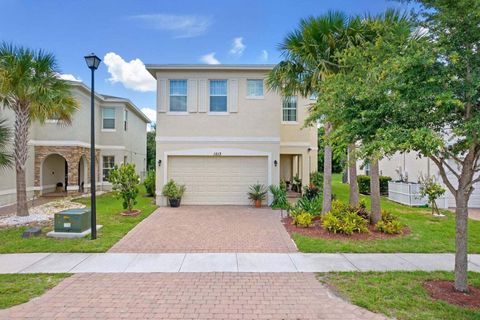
[
  {"x": 125, "y": 119},
  {"x": 108, "y": 164},
  {"x": 289, "y": 109},
  {"x": 255, "y": 88},
  {"x": 218, "y": 95},
  {"x": 178, "y": 95},
  {"x": 108, "y": 118}
]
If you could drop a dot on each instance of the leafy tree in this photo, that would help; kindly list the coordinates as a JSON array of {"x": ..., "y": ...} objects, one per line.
[
  {"x": 5, "y": 134},
  {"x": 354, "y": 99},
  {"x": 338, "y": 153},
  {"x": 125, "y": 183},
  {"x": 151, "y": 147},
  {"x": 149, "y": 183},
  {"x": 437, "y": 109},
  {"x": 29, "y": 85},
  {"x": 310, "y": 57}
]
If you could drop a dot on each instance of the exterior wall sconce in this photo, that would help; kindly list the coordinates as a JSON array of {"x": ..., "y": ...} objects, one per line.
[
  {"x": 309, "y": 149},
  {"x": 159, "y": 163},
  {"x": 275, "y": 163}
]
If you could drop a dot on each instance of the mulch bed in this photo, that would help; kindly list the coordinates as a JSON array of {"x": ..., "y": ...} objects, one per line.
[
  {"x": 443, "y": 290},
  {"x": 317, "y": 231},
  {"x": 133, "y": 213}
]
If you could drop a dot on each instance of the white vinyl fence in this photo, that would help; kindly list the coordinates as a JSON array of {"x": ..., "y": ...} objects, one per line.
[{"x": 409, "y": 194}]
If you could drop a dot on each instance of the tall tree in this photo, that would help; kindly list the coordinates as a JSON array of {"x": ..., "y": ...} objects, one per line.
[
  {"x": 437, "y": 111},
  {"x": 30, "y": 86},
  {"x": 151, "y": 149},
  {"x": 310, "y": 56},
  {"x": 353, "y": 195},
  {"x": 5, "y": 135},
  {"x": 354, "y": 100}
]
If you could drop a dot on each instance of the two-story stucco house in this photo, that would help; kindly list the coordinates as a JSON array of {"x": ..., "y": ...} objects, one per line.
[
  {"x": 219, "y": 130},
  {"x": 60, "y": 154}
]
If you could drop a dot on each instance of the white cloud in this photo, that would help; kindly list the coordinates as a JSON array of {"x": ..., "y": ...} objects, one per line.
[
  {"x": 70, "y": 77},
  {"x": 209, "y": 58},
  {"x": 181, "y": 26},
  {"x": 133, "y": 74},
  {"x": 150, "y": 113},
  {"x": 237, "y": 46},
  {"x": 264, "y": 55}
]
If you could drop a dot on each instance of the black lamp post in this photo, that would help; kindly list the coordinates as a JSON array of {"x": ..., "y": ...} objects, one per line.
[{"x": 92, "y": 62}]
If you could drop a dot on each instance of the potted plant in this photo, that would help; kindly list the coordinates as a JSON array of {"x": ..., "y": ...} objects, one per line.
[
  {"x": 173, "y": 192},
  {"x": 257, "y": 194}
]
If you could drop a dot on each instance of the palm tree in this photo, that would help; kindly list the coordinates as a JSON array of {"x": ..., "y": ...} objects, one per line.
[
  {"x": 5, "y": 134},
  {"x": 30, "y": 86},
  {"x": 310, "y": 57}
]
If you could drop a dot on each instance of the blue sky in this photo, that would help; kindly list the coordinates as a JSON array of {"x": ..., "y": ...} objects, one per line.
[{"x": 128, "y": 34}]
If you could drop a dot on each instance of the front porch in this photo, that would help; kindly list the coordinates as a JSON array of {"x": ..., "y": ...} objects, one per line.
[{"x": 62, "y": 170}]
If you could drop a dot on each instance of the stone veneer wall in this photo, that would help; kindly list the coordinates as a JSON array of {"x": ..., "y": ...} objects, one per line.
[{"x": 72, "y": 155}]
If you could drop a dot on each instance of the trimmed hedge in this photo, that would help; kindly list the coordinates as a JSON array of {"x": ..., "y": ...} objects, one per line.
[{"x": 364, "y": 184}]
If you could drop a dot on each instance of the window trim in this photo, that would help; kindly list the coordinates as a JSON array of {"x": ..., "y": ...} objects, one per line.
[
  {"x": 170, "y": 95},
  {"x": 103, "y": 166},
  {"x": 221, "y": 113},
  {"x": 255, "y": 97},
  {"x": 290, "y": 122},
  {"x": 114, "y": 120}
]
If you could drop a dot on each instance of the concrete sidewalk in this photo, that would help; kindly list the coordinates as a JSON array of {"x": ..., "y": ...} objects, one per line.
[{"x": 226, "y": 262}]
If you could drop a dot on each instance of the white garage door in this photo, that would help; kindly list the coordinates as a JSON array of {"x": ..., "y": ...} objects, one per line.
[{"x": 217, "y": 180}]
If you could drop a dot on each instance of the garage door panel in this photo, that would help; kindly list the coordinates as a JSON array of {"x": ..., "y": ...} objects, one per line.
[{"x": 217, "y": 180}]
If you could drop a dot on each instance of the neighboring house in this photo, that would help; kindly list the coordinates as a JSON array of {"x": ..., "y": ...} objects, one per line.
[
  {"x": 60, "y": 154},
  {"x": 411, "y": 167},
  {"x": 219, "y": 130}
]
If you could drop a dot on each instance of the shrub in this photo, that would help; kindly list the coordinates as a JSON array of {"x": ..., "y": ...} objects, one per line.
[
  {"x": 432, "y": 190},
  {"x": 312, "y": 206},
  {"x": 364, "y": 184},
  {"x": 172, "y": 190},
  {"x": 316, "y": 178},
  {"x": 149, "y": 183},
  {"x": 389, "y": 224},
  {"x": 257, "y": 192},
  {"x": 303, "y": 219},
  {"x": 344, "y": 219},
  {"x": 280, "y": 200},
  {"x": 311, "y": 191},
  {"x": 125, "y": 182}
]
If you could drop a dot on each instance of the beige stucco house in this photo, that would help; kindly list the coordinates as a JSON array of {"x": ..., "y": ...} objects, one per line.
[
  {"x": 219, "y": 130},
  {"x": 59, "y": 153}
]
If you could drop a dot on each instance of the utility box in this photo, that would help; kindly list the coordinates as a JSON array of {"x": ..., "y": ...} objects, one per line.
[{"x": 72, "y": 220}]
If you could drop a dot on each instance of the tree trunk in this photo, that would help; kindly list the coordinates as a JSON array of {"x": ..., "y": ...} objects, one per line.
[
  {"x": 352, "y": 176},
  {"x": 327, "y": 171},
  {"x": 20, "y": 154},
  {"x": 461, "y": 258},
  {"x": 375, "y": 209}
]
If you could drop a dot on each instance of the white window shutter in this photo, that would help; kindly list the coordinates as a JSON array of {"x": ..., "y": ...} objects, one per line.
[
  {"x": 233, "y": 95},
  {"x": 192, "y": 96},
  {"x": 202, "y": 95},
  {"x": 162, "y": 95}
]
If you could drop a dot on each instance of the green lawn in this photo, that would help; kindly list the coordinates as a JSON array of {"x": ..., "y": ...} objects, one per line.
[
  {"x": 399, "y": 295},
  {"x": 19, "y": 288},
  {"x": 114, "y": 228},
  {"x": 428, "y": 234}
]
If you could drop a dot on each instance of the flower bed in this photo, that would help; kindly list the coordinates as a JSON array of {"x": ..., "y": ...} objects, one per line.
[{"x": 317, "y": 231}]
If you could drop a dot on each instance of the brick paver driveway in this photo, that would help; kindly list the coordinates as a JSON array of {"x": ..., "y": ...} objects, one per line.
[
  {"x": 208, "y": 229},
  {"x": 189, "y": 296}
]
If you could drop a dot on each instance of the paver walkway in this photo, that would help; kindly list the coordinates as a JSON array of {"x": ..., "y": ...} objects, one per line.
[
  {"x": 208, "y": 229},
  {"x": 226, "y": 262},
  {"x": 189, "y": 296}
]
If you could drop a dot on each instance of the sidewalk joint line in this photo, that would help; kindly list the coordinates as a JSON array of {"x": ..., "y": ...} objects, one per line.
[
  {"x": 181, "y": 264},
  {"x": 48, "y": 255},
  {"x": 353, "y": 265}
]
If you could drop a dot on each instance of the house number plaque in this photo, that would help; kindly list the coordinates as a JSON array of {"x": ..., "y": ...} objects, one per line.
[{"x": 217, "y": 153}]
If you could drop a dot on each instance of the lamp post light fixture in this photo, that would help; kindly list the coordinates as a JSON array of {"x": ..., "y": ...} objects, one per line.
[{"x": 92, "y": 62}]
